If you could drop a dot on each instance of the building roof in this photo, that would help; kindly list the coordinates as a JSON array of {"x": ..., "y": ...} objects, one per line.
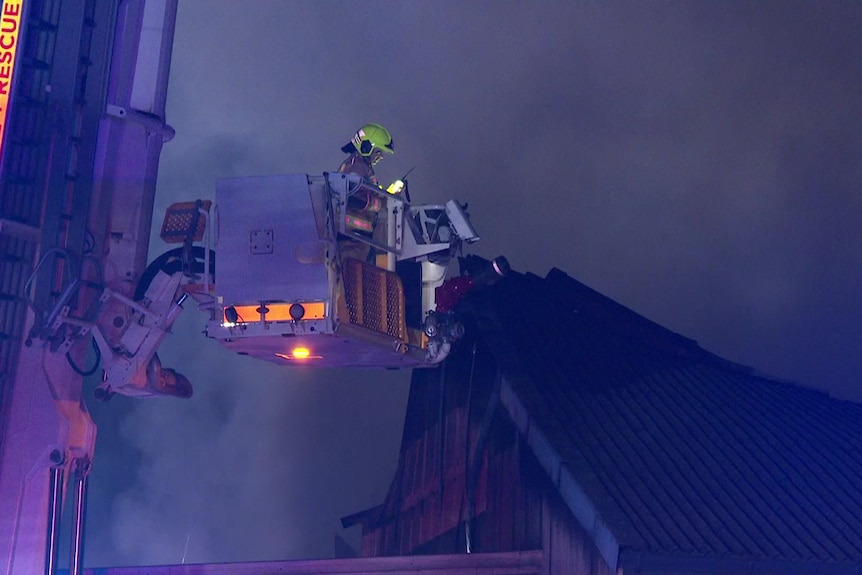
[{"x": 663, "y": 450}]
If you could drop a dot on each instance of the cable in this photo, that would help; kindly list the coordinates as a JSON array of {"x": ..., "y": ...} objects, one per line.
[
  {"x": 171, "y": 262},
  {"x": 89, "y": 242},
  {"x": 93, "y": 369}
]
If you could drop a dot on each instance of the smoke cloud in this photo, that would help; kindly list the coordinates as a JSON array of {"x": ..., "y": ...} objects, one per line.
[{"x": 697, "y": 162}]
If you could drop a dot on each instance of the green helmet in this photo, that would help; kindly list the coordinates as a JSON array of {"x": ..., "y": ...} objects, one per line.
[{"x": 370, "y": 137}]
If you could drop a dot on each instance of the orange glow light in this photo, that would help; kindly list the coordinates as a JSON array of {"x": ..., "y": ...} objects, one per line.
[
  {"x": 10, "y": 24},
  {"x": 279, "y": 312},
  {"x": 301, "y": 353}
]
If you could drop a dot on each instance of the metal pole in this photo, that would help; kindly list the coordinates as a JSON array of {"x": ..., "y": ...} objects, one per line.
[
  {"x": 76, "y": 561},
  {"x": 55, "y": 506}
]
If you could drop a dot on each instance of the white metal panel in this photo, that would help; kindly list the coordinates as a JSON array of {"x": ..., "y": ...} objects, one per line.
[
  {"x": 154, "y": 56},
  {"x": 268, "y": 247}
]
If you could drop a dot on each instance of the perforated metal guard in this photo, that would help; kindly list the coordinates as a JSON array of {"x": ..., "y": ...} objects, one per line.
[
  {"x": 178, "y": 222},
  {"x": 375, "y": 299}
]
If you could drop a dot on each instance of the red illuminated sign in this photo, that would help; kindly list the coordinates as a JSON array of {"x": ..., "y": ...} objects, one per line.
[{"x": 10, "y": 28}]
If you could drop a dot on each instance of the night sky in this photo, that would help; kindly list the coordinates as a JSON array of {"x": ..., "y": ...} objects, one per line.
[{"x": 698, "y": 162}]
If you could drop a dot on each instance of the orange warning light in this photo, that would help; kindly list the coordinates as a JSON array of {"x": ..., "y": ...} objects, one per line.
[
  {"x": 298, "y": 353},
  {"x": 301, "y": 353}
]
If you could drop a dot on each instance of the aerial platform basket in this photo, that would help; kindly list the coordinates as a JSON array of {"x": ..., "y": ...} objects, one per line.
[{"x": 298, "y": 282}]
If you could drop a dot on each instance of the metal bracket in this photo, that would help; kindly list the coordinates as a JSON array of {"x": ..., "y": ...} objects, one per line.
[{"x": 150, "y": 122}]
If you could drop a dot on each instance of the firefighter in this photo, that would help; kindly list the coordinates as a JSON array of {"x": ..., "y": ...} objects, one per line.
[{"x": 366, "y": 149}]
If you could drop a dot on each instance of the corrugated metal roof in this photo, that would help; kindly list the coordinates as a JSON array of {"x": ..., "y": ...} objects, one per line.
[{"x": 680, "y": 452}]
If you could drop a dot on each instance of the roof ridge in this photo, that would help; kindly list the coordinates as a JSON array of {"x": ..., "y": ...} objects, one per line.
[{"x": 634, "y": 325}]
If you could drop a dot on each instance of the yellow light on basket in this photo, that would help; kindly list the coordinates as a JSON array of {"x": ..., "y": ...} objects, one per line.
[{"x": 301, "y": 353}]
